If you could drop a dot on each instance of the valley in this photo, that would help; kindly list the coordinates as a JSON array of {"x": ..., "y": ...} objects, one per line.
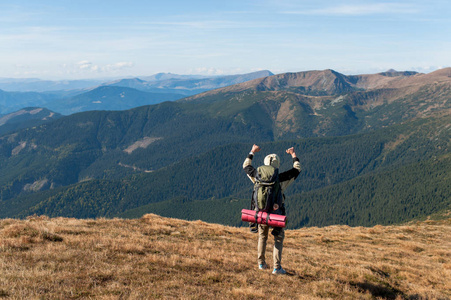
[{"x": 181, "y": 158}]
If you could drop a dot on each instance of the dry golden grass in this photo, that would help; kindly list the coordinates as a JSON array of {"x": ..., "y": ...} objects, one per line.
[{"x": 156, "y": 257}]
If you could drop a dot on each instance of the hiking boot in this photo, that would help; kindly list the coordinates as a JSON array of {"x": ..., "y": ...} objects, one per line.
[
  {"x": 279, "y": 271},
  {"x": 263, "y": 266}
]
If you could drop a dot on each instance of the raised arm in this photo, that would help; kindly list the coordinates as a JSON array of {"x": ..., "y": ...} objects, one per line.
[
  {"x": 247, "y": 165},
  {"x": 288, "y": 177}
]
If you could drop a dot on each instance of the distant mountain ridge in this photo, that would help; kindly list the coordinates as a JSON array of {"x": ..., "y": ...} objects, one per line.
[
  {"x": 13, "y": 101},
  {"x": 160, "y": 87},
  {"x": 109, "y": 98},
  {"x": 186, "y": 85},
  {"x": 326, "y": 82},
  {"x": 39, "y": 85},
  {"x": 313, "y": 103}
]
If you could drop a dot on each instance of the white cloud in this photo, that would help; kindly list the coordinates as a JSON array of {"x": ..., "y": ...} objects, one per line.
[
  {"x": 118, "y": 66},
  {"x": 86, "y": 65},
  {"x": 426, "y": 69},
  {"x": 206, "y": 71},
  {"x": 208, "y": 24},
  {"x": 210, "y": 71},
  {"x": 359, "y": 9}
]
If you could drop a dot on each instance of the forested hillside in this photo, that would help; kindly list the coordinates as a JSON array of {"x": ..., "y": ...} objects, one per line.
[
  {"x": 111, "y": 145},
  {"x": 24, "y": 118},
  {"x": 360, "y": 179}
]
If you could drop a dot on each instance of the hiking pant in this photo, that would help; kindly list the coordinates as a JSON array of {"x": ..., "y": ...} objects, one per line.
[{"x": 263, "y": 231}]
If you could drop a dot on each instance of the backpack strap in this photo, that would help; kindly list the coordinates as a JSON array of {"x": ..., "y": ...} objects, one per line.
[{"x": 252, "y": 200}]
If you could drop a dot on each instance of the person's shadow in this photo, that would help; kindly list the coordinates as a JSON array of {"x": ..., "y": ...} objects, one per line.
[{"x": 304, "y": 277}]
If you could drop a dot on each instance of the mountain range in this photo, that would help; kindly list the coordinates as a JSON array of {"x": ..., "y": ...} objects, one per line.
[
  {"x": 183, "y": 158},
  {"x": 185, "y": 85},
  {"x": 67, "y": 97},
  {"x": 39, "y": 85}
]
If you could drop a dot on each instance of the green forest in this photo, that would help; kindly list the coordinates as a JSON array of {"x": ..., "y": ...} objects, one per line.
[{"x": 382, "y": 177}]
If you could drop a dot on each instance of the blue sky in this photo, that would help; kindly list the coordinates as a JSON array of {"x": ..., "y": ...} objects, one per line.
[{"x": 75, "y": 39}]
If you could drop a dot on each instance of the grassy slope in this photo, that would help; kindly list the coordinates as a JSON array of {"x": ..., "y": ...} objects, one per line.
[{"x": 155, "y": 257}]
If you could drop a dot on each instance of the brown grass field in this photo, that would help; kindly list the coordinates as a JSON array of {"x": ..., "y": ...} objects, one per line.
[{"x": 155, "y": 257}]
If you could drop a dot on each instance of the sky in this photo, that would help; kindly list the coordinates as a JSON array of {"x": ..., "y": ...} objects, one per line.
[{"x": 79, "y": 39}]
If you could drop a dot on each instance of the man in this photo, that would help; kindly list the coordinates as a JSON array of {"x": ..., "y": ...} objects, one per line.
[{"x": 285, "y": 179}]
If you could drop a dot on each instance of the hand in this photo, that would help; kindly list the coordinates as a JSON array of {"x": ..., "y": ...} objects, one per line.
[
  {"x": 255, "y": 149},
  {"x": 291, "y": 152}
]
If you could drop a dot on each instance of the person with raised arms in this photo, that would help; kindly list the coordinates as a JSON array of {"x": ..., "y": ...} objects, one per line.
[{"x": 268, "y": 196}]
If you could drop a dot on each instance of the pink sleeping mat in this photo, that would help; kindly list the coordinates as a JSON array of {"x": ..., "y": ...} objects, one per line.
[{"x": 261, "y": 217}]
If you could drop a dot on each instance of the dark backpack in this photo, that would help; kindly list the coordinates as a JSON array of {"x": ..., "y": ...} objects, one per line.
[{"x": 267, "y": 189}]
